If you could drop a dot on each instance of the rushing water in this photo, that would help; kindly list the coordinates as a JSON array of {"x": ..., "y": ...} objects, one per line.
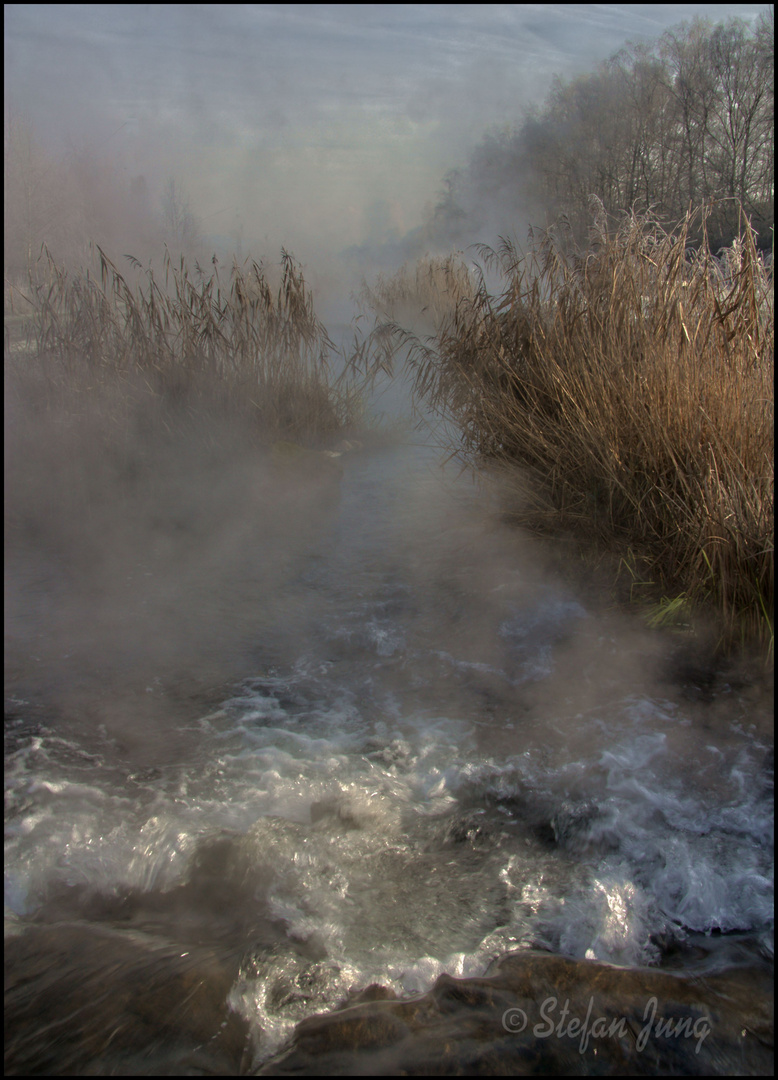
[{"x": 438, "y": 752}]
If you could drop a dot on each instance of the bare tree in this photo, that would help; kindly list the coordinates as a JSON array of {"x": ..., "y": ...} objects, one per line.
[
  {"x": 685, "y": 120},
  {"x": 743, "y": 115}
]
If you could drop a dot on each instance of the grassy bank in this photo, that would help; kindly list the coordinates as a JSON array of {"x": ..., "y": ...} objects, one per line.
[
  {"x": 633, "y": 384},
  {"x": 249, "y": 347}
]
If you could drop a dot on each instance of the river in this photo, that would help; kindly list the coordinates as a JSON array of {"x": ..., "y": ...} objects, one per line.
[{"x": 307, "y": 725}]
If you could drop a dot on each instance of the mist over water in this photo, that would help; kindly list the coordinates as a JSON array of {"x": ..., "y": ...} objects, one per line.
[{"x": 329, "y": 721}]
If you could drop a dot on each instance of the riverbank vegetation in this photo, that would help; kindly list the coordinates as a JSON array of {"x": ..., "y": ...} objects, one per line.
[
  {"x": 246, "y": 345},
  {"x": 626, "y": 370},
  {"x": 632, "y": 384}
]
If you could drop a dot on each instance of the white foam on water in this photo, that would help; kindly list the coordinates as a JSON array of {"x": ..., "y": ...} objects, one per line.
[
  {"x": 384, "y": 872},
  {"x": 396, "y": 806}
]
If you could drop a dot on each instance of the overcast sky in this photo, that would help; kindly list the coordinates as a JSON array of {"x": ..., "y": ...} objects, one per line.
[{"x": 315, "y": 126}]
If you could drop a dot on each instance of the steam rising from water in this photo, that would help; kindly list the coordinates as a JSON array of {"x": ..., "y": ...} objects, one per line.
[
  {"x": 146, "y": 554},
  {"x": 433, "y": 749}
]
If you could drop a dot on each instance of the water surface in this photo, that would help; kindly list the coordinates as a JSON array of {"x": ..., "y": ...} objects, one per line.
[{"x": 297, "y": 728}]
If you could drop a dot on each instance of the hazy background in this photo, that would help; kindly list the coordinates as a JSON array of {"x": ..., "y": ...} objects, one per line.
[{"x": 319, "y": 127}]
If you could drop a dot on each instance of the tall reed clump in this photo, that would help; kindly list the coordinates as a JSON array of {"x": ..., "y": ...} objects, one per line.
[
  {"x": 242, "y": 345},
  {"x": 634, "y": 383},
  {"x": 427, "y": 292},
  {"x": 417, "y": 299}
]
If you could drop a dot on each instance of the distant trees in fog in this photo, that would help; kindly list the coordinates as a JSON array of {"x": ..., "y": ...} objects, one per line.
[
  {"x": 36, "y": 201},
  {"x": 686, "y": 119},
  {"x": 68, "y": 200},
  {"x": 181, "y": 226}
]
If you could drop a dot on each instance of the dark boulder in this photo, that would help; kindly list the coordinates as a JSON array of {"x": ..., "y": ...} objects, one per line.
[
  {"x": 539, "y": 1013},
  {"x": 85, "y": 1000}
]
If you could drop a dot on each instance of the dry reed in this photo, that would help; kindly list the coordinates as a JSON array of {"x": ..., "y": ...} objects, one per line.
[
  {"x": 244, "y": 346},
  {"x": 427, "y": 292},
  {"x": 633, "y": 383}
]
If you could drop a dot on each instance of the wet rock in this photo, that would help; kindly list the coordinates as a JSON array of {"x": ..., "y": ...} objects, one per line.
[
  {"x": 538, "y": 1013},
  {"x": 471, "y": 828},
  {"x": 97, "y": 1001},
  {"x": 374, "y": 992},
  {"x": 578, "y": 826}
]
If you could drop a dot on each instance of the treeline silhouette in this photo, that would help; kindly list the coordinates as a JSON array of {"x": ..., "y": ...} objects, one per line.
[{"x": 682, "y": 121}]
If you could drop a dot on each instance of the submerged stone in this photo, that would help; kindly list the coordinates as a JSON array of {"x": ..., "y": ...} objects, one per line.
[{"x": 539, "y": 1013}]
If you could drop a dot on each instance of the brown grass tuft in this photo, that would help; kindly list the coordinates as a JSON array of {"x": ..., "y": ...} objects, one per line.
[
  {"x": 634, "y": 384},
  {"x": 248, "y": 346}
]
